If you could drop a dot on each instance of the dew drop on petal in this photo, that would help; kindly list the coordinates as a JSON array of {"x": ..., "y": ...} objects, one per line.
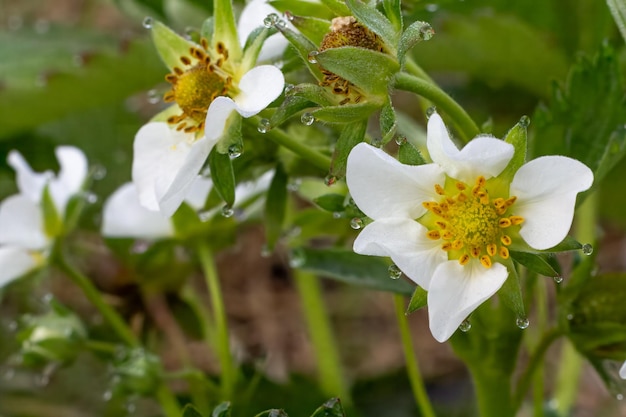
[
  {"x": 312, "y": 58},
  {"x": 430, "y": 111},
  {"x": 356, "y": 223},
  {"x": 465, "y": 326},
  {"x": 394, "y": 272},
  {"x": 264, "y": 126},
  {"x": 307, "y": 119},
  {"x": 147, "y": 22},
  {"x": 522, "y": 322},
  {"x": 227, "y": 211},
  {"x": 558, "y": 279},
  {"x": 330, "y": 180},
  {"x": 235, "y": 150},
  {"x": 524, "y": 121},
  {"x": 297, "y": 258},
  {"x": 587, "y": 249},
  {"x": 280, "y": 23}
]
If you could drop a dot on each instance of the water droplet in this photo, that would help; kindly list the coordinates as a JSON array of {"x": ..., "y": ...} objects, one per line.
[
  {"x": 570, "y": 316},
  {"x": 465, "y": 326},
  {"x": 558, "y": 279},
  {"x": 131, "y": 407},
  {"x": 205, "y": 215},
  {"x": 430, "y": 111},
  {"x": 153, "y": 96},
  {"x": 356, "y": 223},
  {"x": 312, "y": 58},
  {"x": 330, "y": 180},
  {"x": 89, "y": 197},
  {"x": 281, "y": 24},
  {"x": 394, "y": 272},
  {"x": 377, "y": 142},
  {"x": 12, "y": 326},
  {"x": 108, "y": 394},
  {"x": 427, "y": 31},
  {"x": 264, "y": 126},
  {"x": 337, "y": 215},
  {"x": 139, "y": 247},
  {"x": 147, "y": 22},
  {"x": 265, "y": 251},
  {"x": 235, "y": 150},
  {"x": 227, "y": 211},
  {"x": 431, "y": 7},
  {"x": 297, "y": 258},
  {"x": 400, "y": 140},
  {"x": 524, "y": 121},
  {"x": 289, "y": 16},
  {"x": 522, "y": 322},
  {"x": 294, "y": 184},
  {"x": 98, "y": 172},
  {"x": 619, "y": 397},
  {"x": 289, "y": 88},
  {"x": 307, "y": 119},
  {"x": 587, "y": 249},
  {"x": 270, "y": 20},
  {"x": 41, "y": 26}
]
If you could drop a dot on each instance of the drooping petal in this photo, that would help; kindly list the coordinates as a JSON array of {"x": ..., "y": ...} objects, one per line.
[
  {"x": 383, "y": 187},
  {"x": 259, "y": 87},
  {"x": 252, "y": 17},
  {"x": 165, "y": 164},
  {"x": 71, "y": 176},
  {"x": 622, "y": 371},
  {"x": 456, "y": 290},
  {"x": 218, "y": 113},
  {"x": 15, "y": 263},
  {"x": 249, "y": 189},
  {"x": 405, "y": 242},
  {"x": 124, "y": 216},
  {"x": 29, "y": 183},
  {"x": 198, "y": 192},
  {"x": 483, "y": 155},
  {"x": 546, "y": 190},
  {"x": 21, "y": 223}
]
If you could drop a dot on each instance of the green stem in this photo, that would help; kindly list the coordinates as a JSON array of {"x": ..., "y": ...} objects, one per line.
[
  {"x": 331, "y": 378},
  {"x": 228, "y": 375},
  {"x": 415, "y": 377},
  {"x": 493, "y": 391},
  {"x": 466, "y": 126},
  {"x": 414, "y": 69},
  {"x": 281, "y": 138}
]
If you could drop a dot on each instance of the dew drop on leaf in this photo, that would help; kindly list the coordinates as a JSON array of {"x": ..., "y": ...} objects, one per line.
[
  {"x": 356, "y": 223},
  {"x": 312, "y": 58},
  {"x": 147, "y": 22},
  {"x": 558, "y": 279},
  {"x": 394, "y": 272},
  {"x": 227, "y": 211},
  {"x": 264, "y": 126},
  {"x": 587, "y": 249},
  {"x": 430, "y": 111},
  {"x": 524, "y": 121},
  {"x": 235, "y": 151},
  {"x": 307, "y": 119},
  {"x": 465, "y": 326},
  {"x": 522, "y": 322}
]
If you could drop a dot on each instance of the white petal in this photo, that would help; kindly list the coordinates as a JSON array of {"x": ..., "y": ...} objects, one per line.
[
  {"x": 622, "y": 371},
  {"x": 405, "y": 242},
  {"x": 165, "y": 164},
  {"x": 483, "y": 155},
  {"x": 124, "y": 216},
  {"x": 198, "y": 192},
  {"x": 71, "y": 176},
  {"x": 249, "y": 189},
  {"x": 546, "y": 190},
  {"x": 456, "y": 290},
  {"x": 383, "y": 187},
  {"x": 29, "y": 183},
  {"x": 21, "y": 223},
  {"x": 15, "y": 263},
  {"x": 259, "y": 87},
  {"x": 218, "y": 113},
  {"x": 252, "y": 17}
]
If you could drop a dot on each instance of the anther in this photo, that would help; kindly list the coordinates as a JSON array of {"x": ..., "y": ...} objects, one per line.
[
  {"x": 446, "y": 246},
  {"x": 499, "y": 202},
  {"x": 220, "y": 48},
  {"x": 441, "y": 224},
  {"x": 447, "y": 235},
  {"x": 358, "y": 98},
  {"x": 457, "y": 244},
  {"x": 171, "y": 78},
  {"x": 461, "y": 197},
  {"x": 506, "y": 240},
  {"x": 185, "y": 60},
  {"x": 178, "y": 71},
  {"x": 504, "y": 222},
  {"x": 439, "y": 189},
  {"x": 510, "y": 201},
  {"x": 492, "y": 249},
  {"x": 480, "y": 181},
  {"x": 172, "y": 119},
  {"x": 464, "y": 259},
  {"x": 504, "y": 252},
  {"x": 434, "y": 234},
  {"x": 169, "y": 97},
  {"x": 204, "y": 43},
  {"x": 516, "y": 220},
  {"x": 475, "y": 251},
  {"x": 344, "y": 101},
  {"x": 444, "y": 205},
  {"x": 485, "y": 260},
  {"x": 181, "y": 126},
  {"x": 460, "y": 186}
]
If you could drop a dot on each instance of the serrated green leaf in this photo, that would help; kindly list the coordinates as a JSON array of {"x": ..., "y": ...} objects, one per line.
[
  {"x": 351, "y": 135},
  {"x": 275, "y": 206},
  {"x": 348, "y": 113},
  {"x": 351, "y": 268},
  {"x": 618, "y": 10},
  {"x": 314, "y": 93},
  {"x": 223, "y": 176},
  {"x": 222, "y": 410},
  {"x": 191, "y": 411},
  {"x": 393, "y": 10},
  {"x": 313, "y": 28},
  {"x": 375, "y": 21},
  {"x": 232, "y": 137},
  {"x": 367, "y": 69},
  {"x": 415, "y": 33},
  {"x": 290, "y": 106},
  {"x": 331, "y": 408},
  {"x": 517, "y": 137},
  {"x": 337, "y": 7},
  {"x": 409, "y": 154},
  {"x": 253, "y": 46},
  {"x": 511, "y": 291},
  {"x": 535, "y": 262},
  {"x": 419, "y": 299},
  {"x": 333, "y": 203},
  {"x": 225, "y": 28}
]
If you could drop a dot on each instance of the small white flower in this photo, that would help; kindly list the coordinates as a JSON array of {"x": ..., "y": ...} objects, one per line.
[
  {"x": 251, "y": 18},
  {"x": 448, "y": 225},
  {"x": 23, "y": 240},
  {"x": 210, "y": 83},
  {"x": 622, "y": 371}
]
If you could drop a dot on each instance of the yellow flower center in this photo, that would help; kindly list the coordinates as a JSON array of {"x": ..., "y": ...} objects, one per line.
[
  {"x": 471, "y": 224},
  {"x": 196, "y": 85}
]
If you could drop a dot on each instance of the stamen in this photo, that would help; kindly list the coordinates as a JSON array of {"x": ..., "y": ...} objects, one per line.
[
  {"x": 433, "y": 234},
  {"x": 492, "y": 248},
  {"x": 178, "y": 71},
  {"x": 510, "y": 201},
  {"x": 464, "y": 259},
  {"x": 204, "y": 43},
  {"x": 504, "y": 222},
  {"x": 439, "y": 189},
  {"x": 499, "y": 202},
  {"x": 516, "y": 220},
  {"x": 480, "y": 181},
  {"x": 475, "y": 251},
  {"x": 441, "y": 224},
  {"x": 446, "y": 246},
  {"x": 185, "y": 60},
  {"x": 506, "y": 240},
  {"x": 460, "y": 186},
  {"x": 171, "y": 78},
  {"x": 504, "y": 252},
  {"x": 485, "y": 261},
  {"x": 447, "y": 235},
  {"x": 169, "y": 97},
  {"x": 462, "y": 197},
  {"x": 457, "y": 244}
]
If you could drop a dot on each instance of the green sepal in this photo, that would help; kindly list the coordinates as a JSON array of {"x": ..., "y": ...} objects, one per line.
[
  {"x": 536, "y": 262},
  {"x": 314, "y": 93},
  {"x": 254, "y": 43},
  {"x": 348, "y": 113},
  {"x": 313, "y": 28},
  {"x": 191, "y": 411},
  {"x": 274, "y": 412},
  {"x": 415, "y": 33},
  {"x": 185, "y": 221},
  {"x": 232, "y": 136},
  {"x": 351, "y": 135},
  {"x": 367, "y": 69},
  {"x": 304, "y": 8},
  {"x": 222, "y": 410},
  {"x": 567, "y": 245},
  {"x": 375, "y": 21},
  {"x": 170, "y": 45},
  {"x": 511, "y": 291},
  {"x": 337, "y": 7},
  {"x": 388, "y": 123},
  {"x": 393, "y": 10},
  {"x": 223, "y": 176},
  {"x": 419, "y": 299},
  {"x": 303, "y": 46},
  {"x": 349, "y": 267},
  {"x": 517, "y": 137},
  {"x": 333, "y": 203},
  {"x": 52, "y": 221},
  {"x": 408, "y": 154},
  {"x": 206, "y": 31},
  {"x": 225, "y": 28},
  {"x": 290, "y": 106},
  {"x": 331, "y": 408},
  {"x": 618, "y": 10},
  {"x": 276, "y": 206}
]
